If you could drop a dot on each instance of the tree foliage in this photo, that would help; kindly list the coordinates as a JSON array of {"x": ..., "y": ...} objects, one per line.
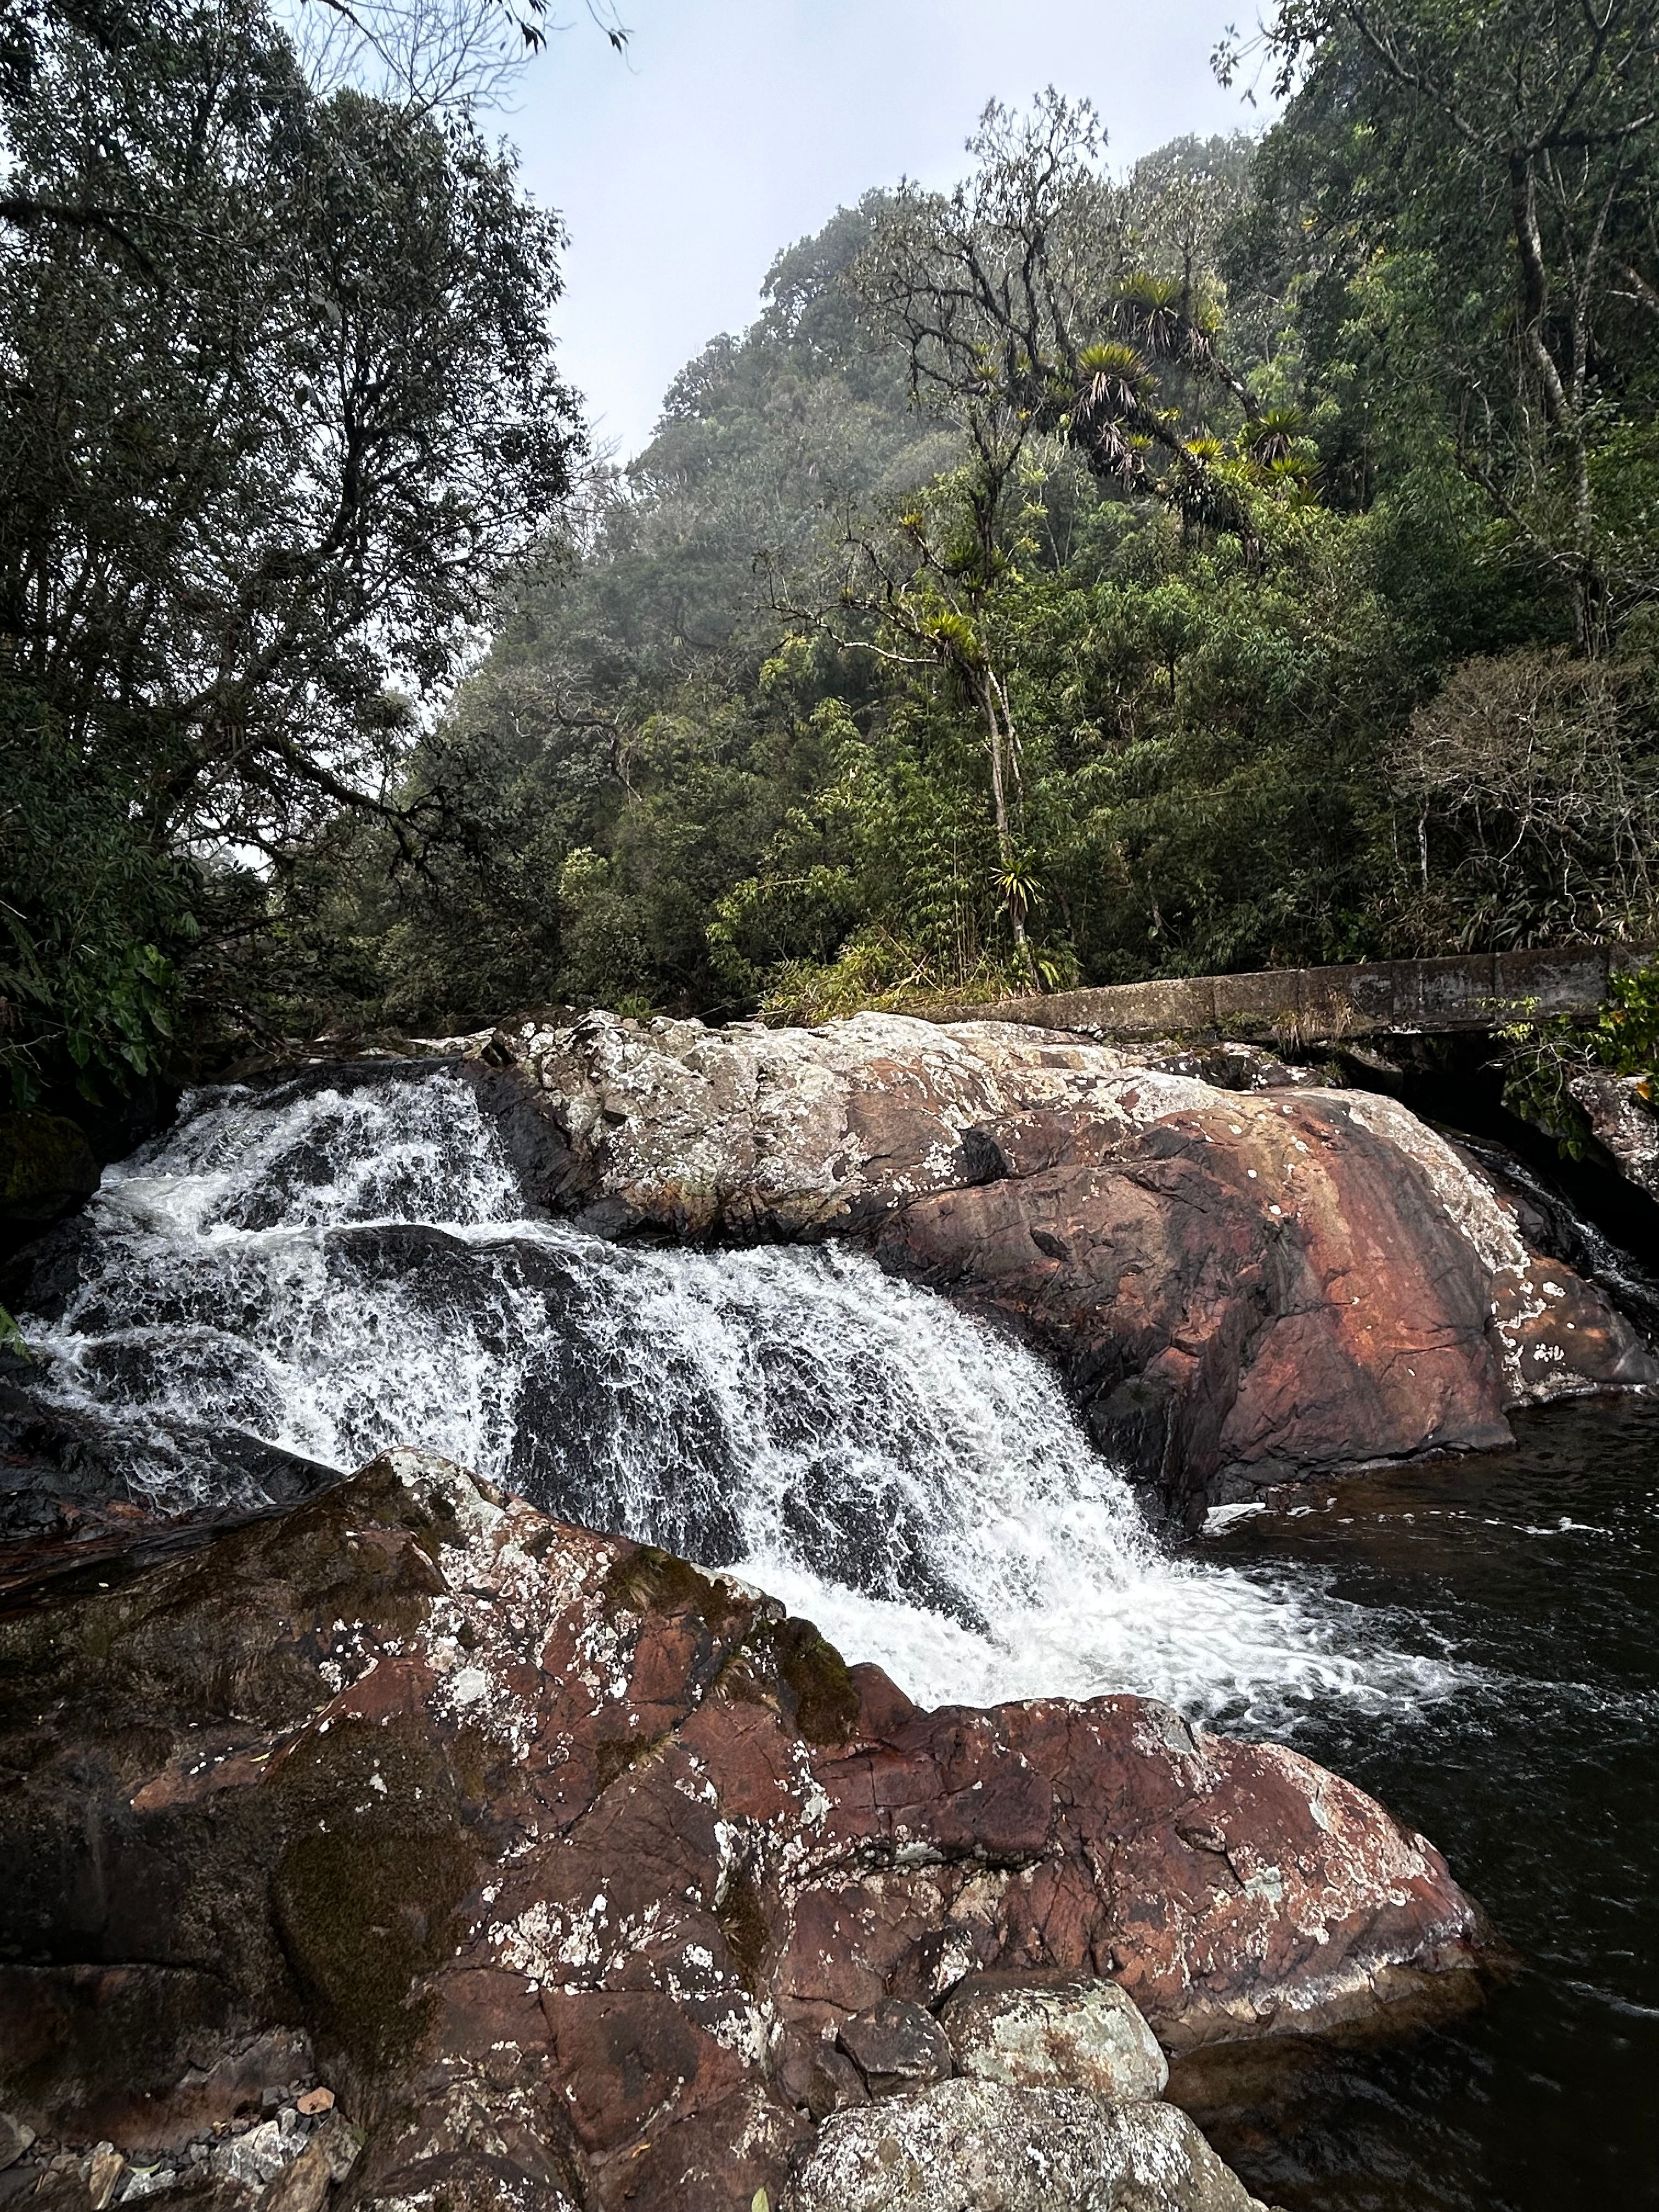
[
  {"x": 1501, "y": 164},
  {"x": 1077, "y": 575},
  {"x": 279, "y": 410}
]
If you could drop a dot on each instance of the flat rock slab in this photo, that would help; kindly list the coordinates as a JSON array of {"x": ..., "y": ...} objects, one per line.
[{"x": 565, "y": 1856}]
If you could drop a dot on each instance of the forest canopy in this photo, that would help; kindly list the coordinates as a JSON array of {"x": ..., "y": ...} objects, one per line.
[
  {"x": 280, "y": 410},
  {"x": 1087, "y": 573}
]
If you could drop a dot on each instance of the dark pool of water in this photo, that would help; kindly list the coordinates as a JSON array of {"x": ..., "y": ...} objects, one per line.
[{"x": 1540, "y": 1568}]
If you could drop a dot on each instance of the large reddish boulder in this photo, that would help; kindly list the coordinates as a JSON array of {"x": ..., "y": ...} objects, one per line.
[
  {"x": 568, "y": 1861},
  {"x": 1242, "y": 1285},
  {"x": 1266, "y": 1288}
]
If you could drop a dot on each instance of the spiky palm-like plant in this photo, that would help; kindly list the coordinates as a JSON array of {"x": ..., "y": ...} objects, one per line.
[
  {"x": 1116, "y": 375},
  {"x": 1273, "y": 435},
  {"x": 1153, "y": 308},
  {"x": 1112, "y": 406}
]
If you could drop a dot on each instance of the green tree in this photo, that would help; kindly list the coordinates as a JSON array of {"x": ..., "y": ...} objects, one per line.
[
  {"x": 279, "y": 409},
  {"x": 1505, "y": 162}
]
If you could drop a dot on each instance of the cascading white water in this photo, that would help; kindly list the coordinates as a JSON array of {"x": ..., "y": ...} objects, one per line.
[{"x": 335, "y": 1265}]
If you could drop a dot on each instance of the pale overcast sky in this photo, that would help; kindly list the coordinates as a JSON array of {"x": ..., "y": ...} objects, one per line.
[{"x": 735, "y": 127}]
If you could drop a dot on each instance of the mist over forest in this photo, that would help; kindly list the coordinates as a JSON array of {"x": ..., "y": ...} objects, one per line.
[{"x": 1246, "y": 558}]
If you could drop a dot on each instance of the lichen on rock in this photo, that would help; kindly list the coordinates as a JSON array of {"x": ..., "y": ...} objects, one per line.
[
  {"x": 1000, "y": 2149},
  {"x": 363, "y": 1756},
  {"x": 1053, "y": 2032}
]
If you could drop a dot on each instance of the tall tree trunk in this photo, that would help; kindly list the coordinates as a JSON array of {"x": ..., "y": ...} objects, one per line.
[
  {"x": 1005, "y": 763},
  {"x": 1563, "y": 406}
]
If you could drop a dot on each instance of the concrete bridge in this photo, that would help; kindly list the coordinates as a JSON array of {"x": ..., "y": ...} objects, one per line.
[{"x": 1291, "y": 1007}]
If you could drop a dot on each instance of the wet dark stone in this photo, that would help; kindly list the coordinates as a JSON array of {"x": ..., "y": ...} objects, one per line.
[
  {"x": 983, "y": 1160},
  {"x": 870, "y": 1539},
  {"x": 1550, "y": 1222},
  {"x": 896, "y": 2045},
  {"x": 553, "y": 1178},
  {"x": 66, "y": 1472},
  {"x": 45, "y": 1274}
]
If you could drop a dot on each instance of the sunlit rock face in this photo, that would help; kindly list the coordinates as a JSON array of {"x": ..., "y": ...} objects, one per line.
[
  {"x": 1241, "y": 1285},
  {"x": 570, "y": 1860}
]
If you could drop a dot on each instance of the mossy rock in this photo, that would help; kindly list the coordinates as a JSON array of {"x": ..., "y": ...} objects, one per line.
[
  {"x": 364, "y": 1913},
  {"x": 826, "y": 1698},
  {"x": 46, "y": 1167},
  {"x": 742, "y": 1922},
  {"x": 647, "y": 1580}
]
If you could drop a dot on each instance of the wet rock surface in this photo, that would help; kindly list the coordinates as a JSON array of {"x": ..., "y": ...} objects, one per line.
[
  {"x": 1243, "y": 1285},
  {"x": 565, "y": 1867},
  {"x": 65, "y": 1492}
]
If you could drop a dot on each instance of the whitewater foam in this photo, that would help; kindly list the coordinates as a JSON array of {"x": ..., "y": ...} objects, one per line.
[{"x": 336, "y": 1266}]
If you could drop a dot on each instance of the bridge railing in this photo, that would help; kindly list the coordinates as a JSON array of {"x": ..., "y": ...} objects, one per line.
[{"x": 1323, "y": 1006}]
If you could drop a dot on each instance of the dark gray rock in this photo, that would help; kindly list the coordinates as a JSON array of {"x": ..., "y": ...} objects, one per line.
[{"x": 896, "y": 2045}]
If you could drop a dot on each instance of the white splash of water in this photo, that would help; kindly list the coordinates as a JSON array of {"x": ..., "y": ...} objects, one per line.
[
  {"x": 335, "y": 1269},
  {"x": 304, "y": 1154}
]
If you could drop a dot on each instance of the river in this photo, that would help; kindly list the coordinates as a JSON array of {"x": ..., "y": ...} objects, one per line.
[
  {"x": 340, "y": 1262},
  {"x": 1537, "y": 1572}
]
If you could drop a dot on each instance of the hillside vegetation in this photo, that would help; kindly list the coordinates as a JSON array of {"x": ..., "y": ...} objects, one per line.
[{"x": 1079, "y": 576}]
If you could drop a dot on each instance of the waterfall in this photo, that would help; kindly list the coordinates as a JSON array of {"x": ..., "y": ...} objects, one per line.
[{"x": 340, "y": 1262}]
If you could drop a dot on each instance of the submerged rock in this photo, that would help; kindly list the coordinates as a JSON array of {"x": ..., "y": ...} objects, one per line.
[
  {"x": 1243, "y": 1286},
  {"x": 566, "y": 1863}
]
